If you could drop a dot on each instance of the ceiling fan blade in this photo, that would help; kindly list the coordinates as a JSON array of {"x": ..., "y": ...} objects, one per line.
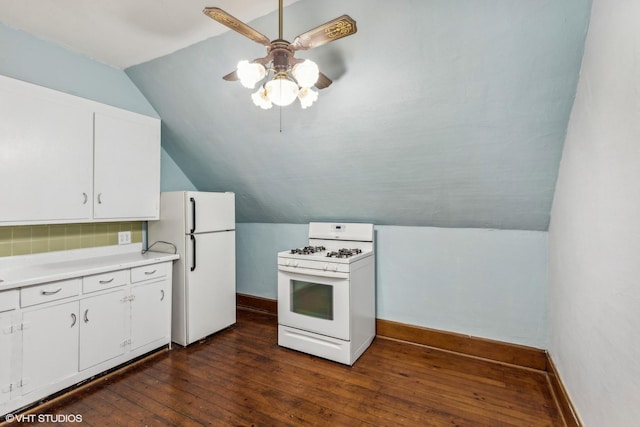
[
  {"x": 323, "y": 81},
  {"x": 333, "y": 30},
  {"x": 227, "y": 20},
  {"x": 231, "y": 77}
]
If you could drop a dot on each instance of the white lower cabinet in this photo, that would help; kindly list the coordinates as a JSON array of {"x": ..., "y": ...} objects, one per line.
[
  {"x": 150, "y": 313},
  {"x": 54, "y": 335},
  {"x": 103, "y": 333},
  {"x": 9, "y": 345},
  {"x": 8, "y": 357},
  {"x": 49, "y": 345}
]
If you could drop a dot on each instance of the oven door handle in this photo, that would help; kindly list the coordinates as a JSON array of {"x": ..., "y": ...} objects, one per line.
[{"x": 312, "y": 272}]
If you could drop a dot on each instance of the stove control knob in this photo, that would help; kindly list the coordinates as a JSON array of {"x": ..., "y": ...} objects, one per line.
[
  {"x": 326, "y": 267},
  {"x": 287, "y": 263},
  {"x": 295, "y": 264},
  {"x": 335, "y": 267}
]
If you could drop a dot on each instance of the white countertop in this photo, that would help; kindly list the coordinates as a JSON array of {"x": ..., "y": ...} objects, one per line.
[{"x": 26, "y": 270}]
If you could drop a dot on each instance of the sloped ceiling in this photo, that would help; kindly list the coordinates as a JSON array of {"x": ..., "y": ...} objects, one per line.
[{"x": 444, "y": 113}]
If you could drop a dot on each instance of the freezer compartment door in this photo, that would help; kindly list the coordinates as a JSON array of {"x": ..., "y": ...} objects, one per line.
[
  {"x": 206, "y": 212},
  {"x": 211, "y": 284}
]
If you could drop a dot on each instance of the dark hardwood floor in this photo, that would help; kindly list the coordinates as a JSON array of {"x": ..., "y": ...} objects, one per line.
[{"x": 241, "y": 377}]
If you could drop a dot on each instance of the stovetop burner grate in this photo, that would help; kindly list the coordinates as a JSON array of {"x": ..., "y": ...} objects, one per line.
[
  {"x": 308, "y": 250},
  {"x": 343, "y": 253}
]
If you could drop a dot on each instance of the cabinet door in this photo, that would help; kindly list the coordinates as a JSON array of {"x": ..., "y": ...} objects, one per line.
[
  {"x": 49, "y": 345},
  {"x": 150, "y": 313},
  {"x": 7, "y": 356},
  {"x": 127, "y": 166},
  {"x": 46, "y": 155},
  {"x": 102, "y": 328}
]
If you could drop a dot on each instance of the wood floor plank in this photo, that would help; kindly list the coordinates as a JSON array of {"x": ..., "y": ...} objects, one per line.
[{"x": 241, "y": 377}]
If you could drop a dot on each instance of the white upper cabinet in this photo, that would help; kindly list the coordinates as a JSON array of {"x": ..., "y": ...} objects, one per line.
[
  {"x": 45, "y": 151},
  {"x": 126, "y": 172},
  {"x": 69, "y": 159}
]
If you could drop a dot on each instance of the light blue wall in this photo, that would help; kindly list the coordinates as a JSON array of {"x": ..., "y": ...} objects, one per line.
[
  {"x": 445, "y": 113},
  {"x": 481, "y": 282},
  {"x": 171, "y": 176},
  {"x": 257, "y": 246},
  {"x": 485, "y": 283},
  {"x": 25, "y": 57}
]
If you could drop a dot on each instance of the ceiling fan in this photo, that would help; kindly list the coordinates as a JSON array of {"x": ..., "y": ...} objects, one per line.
[{"x": 292, "y": 77}]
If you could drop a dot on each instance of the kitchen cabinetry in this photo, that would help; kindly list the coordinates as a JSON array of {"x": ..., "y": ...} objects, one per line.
[
  {"x": 150, "y": 307},
  {"x": 126, "y": 168},
  {"x": 45, "y": 158},
  {"x": 102, "y": 328},
  {"x": 70, "y": 159},
  {"x": 56, "y": 334},
  {"x": 49, "y": 345},
  {"x": 8, "y": 346}
]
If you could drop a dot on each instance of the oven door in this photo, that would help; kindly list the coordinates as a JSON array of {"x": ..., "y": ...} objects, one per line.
[{"x": 314, "y": 301}]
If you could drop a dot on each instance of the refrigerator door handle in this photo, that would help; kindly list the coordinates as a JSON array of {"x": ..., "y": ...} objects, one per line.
[
  {"x": 193, "y": 215},
  {"x": 193, "y": 245}
]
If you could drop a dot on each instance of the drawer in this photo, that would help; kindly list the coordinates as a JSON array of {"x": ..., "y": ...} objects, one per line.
[
  {"x": 53, "y": 291},
  {"x": 148, "y": 272},
  {"x": 9, "y": 300},
  {"x": 99, "y": 282}
]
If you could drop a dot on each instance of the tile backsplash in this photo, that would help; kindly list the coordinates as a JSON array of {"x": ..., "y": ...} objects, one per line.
[{"x": 32, "y": 239}]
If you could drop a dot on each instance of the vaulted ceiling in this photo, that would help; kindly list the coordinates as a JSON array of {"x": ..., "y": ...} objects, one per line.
[{"x": 447, "y": 113}]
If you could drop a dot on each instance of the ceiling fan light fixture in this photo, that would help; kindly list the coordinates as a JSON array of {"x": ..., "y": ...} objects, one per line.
[
  {"x": 250, "y": 73},
  {"x": 261, "y": 99},
  {"x": 306, "y": 73},
  {"x": 281, "y": 91},
  {"x": 291, "y": 77},
  {"x": 307, "y": 96}
]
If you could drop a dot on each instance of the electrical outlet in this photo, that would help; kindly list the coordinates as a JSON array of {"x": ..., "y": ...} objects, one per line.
[{"x": 124, "y": 237}]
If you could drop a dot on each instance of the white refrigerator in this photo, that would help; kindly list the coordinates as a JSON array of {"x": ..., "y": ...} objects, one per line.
[{"x": 201, "y": 225}]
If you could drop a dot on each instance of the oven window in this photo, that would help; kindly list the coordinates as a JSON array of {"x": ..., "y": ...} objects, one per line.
[{"x": 312, "y": 299}]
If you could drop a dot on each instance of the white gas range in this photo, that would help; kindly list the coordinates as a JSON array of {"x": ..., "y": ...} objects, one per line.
[{"x": 326, "y": 292}]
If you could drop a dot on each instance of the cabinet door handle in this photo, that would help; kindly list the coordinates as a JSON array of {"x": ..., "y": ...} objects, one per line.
[
  {"x": 193, "y": 244},
  {"x": 86, "y": 316},
  {"x": 43, "y": 292},
  {"x": 162, "y": 294},
  {"x": 86, "y": 198},
  {"x": 74, "y": 319},
  {"x": 104, "y": 282},
  {"x": 149, "y": 272},
  {"x": 193, "y": 215},
  {"x": 99, "y": 198}
]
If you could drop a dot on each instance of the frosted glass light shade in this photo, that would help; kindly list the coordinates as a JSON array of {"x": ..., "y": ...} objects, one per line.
[
  {"x": 250, "y": 73},
  {"x": 306, "y": 73},
  {"x": 307, "y": 97},
  {"x": 261, "y": 99},
  {"x": 281, "y": 91}
]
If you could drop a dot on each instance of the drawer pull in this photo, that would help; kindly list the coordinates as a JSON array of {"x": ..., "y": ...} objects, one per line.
[
  {"x": 150, "y": 272},
  {"x": 162, "y": 293},
  {"x": 104, "y": 282},
  {"x": 50, "y": 292},
  {"x": 74, "y": 319},
  {"x": 86, "y": 316}
]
